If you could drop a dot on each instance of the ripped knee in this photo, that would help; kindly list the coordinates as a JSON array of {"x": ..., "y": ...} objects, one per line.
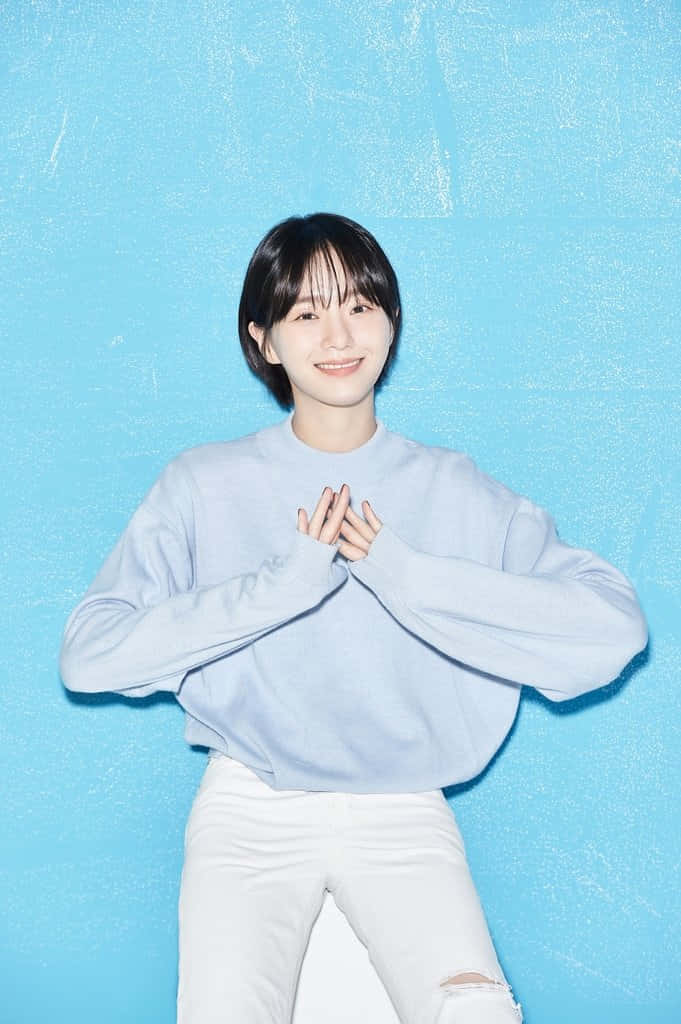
[
  {"x": 462, "y": 979},
  {"x": 473, "y": 980}
]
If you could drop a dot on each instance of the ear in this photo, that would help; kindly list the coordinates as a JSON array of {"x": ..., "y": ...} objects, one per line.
[
  {"x": 266, "y": 351},
  {"x": 392, "y": 329},
  {"x": 256, "y": 332}
]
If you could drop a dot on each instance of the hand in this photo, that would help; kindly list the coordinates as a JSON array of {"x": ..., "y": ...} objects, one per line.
[
  {"x": 359, "y": 532},
  {"x": 325, "y": 524}
]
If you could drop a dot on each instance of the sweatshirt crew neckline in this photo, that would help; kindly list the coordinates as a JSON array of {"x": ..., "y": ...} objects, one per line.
[{"x": 366, "y": 460}]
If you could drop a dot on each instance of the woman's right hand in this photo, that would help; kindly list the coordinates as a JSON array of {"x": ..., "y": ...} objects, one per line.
[{"x": 325, "y": 525}]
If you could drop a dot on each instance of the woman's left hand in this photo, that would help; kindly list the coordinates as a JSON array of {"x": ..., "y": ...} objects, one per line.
[{"x": 358, "y": 532}]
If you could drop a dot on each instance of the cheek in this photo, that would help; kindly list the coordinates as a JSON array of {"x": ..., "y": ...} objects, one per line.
[
  {"x": 377, "y": 332},
  {"x": 298, "y": 347}
]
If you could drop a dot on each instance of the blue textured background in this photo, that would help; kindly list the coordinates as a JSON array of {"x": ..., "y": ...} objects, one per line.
[{"x": 520, "y": 164}]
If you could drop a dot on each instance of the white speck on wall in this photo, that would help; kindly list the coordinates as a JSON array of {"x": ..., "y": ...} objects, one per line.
[
  {"x": 586, "y": 969},
  {"x": 52, "y": 162},
  {"x": 412, "y": 20},
  {"x": 443, "y": 177},
  {"x": 250, "y": 58}
]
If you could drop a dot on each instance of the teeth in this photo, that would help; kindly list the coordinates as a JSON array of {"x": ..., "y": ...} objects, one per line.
[{"x": 336, "y": 366}]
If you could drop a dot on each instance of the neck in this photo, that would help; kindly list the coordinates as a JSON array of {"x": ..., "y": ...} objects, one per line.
[{"x": 334, "y": 428}]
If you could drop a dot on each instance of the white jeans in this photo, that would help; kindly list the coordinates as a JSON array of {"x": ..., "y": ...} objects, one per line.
[{"x": 257, "y": 862}]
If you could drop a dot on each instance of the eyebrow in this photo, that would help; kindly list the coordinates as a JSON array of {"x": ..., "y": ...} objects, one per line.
[{"x": 309, "y": 298}]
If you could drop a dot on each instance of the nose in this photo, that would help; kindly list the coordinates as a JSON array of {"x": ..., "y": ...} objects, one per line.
[{"x": 338, "y": 333}]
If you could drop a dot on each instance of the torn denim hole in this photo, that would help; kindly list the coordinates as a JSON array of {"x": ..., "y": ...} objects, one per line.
[
  {"x": 481, "y": 980},
  {"x": 488, "y": 976}
]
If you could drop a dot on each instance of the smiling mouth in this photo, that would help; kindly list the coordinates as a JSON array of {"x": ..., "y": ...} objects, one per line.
[{"x": 346, "y": 366}]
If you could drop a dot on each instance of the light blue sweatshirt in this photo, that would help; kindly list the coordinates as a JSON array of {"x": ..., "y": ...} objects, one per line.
[{"x": 398, "y": 672}]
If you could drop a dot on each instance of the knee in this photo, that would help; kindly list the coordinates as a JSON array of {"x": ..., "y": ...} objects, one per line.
[
  {"x": 462, "y": 979},
  {"x": 477, "y": 997}
]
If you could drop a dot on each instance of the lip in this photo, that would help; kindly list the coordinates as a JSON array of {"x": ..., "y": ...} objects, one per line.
[{"x": 343, "y": 371}]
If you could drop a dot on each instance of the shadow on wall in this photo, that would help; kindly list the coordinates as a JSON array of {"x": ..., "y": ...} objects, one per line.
[{"x": 570, "y": 707}]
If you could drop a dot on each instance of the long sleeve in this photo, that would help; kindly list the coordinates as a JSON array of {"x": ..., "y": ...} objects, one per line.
[
  {"x": 143, "y": 624},
  {"x": 557, "y": 618}
]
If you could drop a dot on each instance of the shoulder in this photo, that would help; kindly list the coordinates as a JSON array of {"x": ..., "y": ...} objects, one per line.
[
  {"x": 204, "y": 465},
  {"x": 458, "y": 471}
]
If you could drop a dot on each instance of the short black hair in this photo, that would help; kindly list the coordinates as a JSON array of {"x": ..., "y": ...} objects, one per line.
[{"x": 278, "y": 267}]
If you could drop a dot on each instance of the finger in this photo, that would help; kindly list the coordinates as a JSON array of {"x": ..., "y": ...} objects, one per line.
[
  {"x": 360, "y": 525},
  {"x": 325, "y": 499},
  {"x": 351, "y": 551},
  {"x": 342, "y": 496},
  {"x": 303, "y": 524},
  {"x": 333, "y": 506},
  {"x": 355, "y": 537},
  {"x": 371, "y": 516},
  {"x": 319, "y": 513},
  {"x": 335, "y": 515}
]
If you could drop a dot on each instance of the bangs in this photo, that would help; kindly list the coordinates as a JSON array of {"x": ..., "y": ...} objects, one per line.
[{"x": 310, "y": 272}]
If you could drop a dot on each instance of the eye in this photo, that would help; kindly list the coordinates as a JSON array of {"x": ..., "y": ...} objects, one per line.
[{"x": 360, "y": 305}]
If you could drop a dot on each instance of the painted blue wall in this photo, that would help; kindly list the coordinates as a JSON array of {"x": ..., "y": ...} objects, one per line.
[{"x": 520, "y": 164}]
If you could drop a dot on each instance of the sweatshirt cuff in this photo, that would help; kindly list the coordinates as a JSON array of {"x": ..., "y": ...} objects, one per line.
[
  {"x": 388, "y": 558},
  {"x": 311, "y": 561}
]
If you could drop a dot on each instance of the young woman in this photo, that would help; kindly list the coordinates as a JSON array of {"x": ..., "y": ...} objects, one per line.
[{"x": 347, "y": 617}]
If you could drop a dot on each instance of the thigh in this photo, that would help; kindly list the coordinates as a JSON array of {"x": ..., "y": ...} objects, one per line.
[
  {"x": 407, "y": 891},
  {"x": 251, "y": 888}
]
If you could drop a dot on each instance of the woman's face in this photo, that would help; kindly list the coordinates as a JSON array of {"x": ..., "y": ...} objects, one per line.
[{"x": 329, "y": 332}]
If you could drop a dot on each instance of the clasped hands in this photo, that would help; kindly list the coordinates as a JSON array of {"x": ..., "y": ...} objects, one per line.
[{"x": 333, "y": 517}]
